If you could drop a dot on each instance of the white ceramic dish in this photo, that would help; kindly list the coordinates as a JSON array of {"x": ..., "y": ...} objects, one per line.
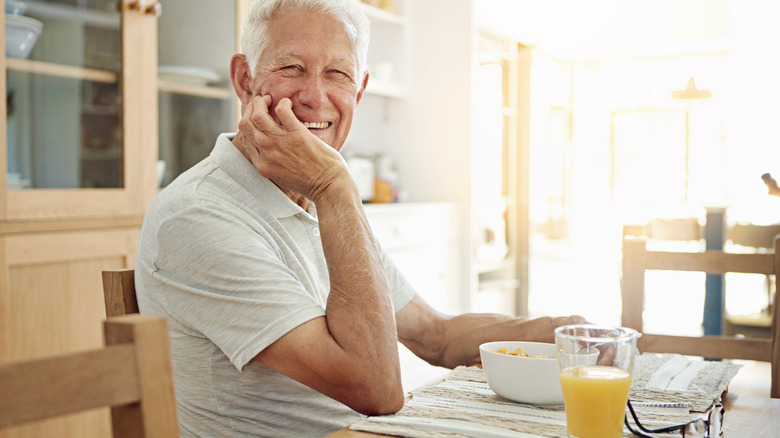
[
  {"x": 524, "y": 379},
  {"x": 188, "y": 74},
  {"x": 20, "y": 35}
]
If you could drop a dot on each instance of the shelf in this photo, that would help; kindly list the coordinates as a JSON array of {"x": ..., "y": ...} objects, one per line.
[
  {"x": 92, "y": 17},
  {"x": 100, "y": 110},
  {"x": 385, "y": 89},
  {"x": 488, "y": 267},
  {"x": 61, "y": 70},
  {"x": 506, "y": 283},
  {"x": 101, "y": 154},
  {"x": 750, "y": 320},
  {"x": 88, "y": 74},
  {"x": 194, "y": 90}
]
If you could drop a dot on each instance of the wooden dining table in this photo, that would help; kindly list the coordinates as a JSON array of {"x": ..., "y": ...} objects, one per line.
[{"x": 746, "y": 416}]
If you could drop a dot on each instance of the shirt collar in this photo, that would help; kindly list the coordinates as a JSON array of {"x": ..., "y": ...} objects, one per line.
[{"x": 227, "y": 156}]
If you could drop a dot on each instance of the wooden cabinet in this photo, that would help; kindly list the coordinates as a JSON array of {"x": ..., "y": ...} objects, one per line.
[
  {"x": 500, "y": 180},
  {"x": 75, "y": 118},
  {"x": 78, "y": 163},
  {"x": 423, "y": 239},
  {"x": 196, "y": 99},
  {"x": 424, "y": 242},
  {"x": 52, "y": 302}
]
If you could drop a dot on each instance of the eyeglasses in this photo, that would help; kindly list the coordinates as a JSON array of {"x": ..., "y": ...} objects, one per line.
[{"x": 702, "y": 427}]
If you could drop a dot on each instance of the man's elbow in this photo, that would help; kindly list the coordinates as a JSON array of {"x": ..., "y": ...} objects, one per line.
[{"x": 378, "y": 399}]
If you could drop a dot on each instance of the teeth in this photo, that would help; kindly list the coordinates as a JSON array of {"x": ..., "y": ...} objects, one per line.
[{"x": 317, "y": 125}]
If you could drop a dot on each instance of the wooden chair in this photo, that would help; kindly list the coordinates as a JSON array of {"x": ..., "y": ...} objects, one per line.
[
  {"x": 749, "y": 237},
  {"x": 119, "y": 292},
  {"x": 637, "y": 260},
  {"x": 132, "y": 374}
]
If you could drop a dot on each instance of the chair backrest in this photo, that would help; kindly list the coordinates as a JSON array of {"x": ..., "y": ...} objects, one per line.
[
  {"x": 670, "y": 229},
  {"x": 119, "y": 292},
  {"x": 753, "y": 236},
  {"x": 132, "y": 374},
  {"x": 637, "y": 260},
  {"x": 680, "y": 229}
]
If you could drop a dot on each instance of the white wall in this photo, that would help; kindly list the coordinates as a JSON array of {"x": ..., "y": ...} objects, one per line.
[
  {"x": 753, "y": 110},
  {"x": 588, "y": 29},
  {"x": 440, "y": 100},
  {"x": 438, "y": 158}
]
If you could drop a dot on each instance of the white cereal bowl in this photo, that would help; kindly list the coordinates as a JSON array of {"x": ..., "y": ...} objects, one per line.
[
  {"x": 20, "y": 35},
  {"x": 523, "y": 379}
]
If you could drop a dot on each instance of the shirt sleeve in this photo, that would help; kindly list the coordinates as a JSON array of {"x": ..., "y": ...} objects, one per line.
[
  {"x": 231, "y": 281},
  {"x": 402, "y": 290}
]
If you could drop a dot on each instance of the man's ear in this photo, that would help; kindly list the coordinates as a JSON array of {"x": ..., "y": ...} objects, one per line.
[
  {"x": 362, "y": 88},
  {"x": 241, "y": 76}
]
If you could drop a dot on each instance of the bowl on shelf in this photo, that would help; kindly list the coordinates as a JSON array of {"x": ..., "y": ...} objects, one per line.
[
  {"x": 531, "y": 380},
  {"x": 20, "y": 35}
]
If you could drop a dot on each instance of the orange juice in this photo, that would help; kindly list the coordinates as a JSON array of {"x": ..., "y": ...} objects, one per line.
[{"x": 595, "y": 400}]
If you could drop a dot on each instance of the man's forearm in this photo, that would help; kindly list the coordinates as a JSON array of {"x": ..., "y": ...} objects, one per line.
[
  {"x": 359, "y": 310},
  {"x": 359, "y": 293},
  {"x": 463, "y": 334}
]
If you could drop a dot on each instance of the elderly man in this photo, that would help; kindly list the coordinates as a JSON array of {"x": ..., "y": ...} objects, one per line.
[{"x": 283, "y": 319}]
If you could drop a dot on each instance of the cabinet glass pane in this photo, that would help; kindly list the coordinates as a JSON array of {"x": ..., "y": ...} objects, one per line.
[
  {"x": 64, "y": 99},
  {"x": 196, "y": 39},
  {"x": 189, "y": 126}
]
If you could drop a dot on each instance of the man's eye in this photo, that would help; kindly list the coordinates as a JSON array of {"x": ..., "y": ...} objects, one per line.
[{"x": 341, "y": 73}]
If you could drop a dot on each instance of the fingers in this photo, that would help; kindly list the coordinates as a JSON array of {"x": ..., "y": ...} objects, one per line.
[
  {"x": 607, "y": 355},
  {"x": 261, "y": 119},
  {"x": 286, "y": 116},
  {"x": 254, "y": 127},
  {"x": 259, "y": 114}
]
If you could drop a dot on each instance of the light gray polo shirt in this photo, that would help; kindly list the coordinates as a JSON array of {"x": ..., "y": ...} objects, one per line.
[{"x": 233, "y": 264}]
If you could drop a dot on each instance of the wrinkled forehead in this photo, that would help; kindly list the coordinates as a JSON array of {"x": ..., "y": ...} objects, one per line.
[{"x": 295, "y": 32}]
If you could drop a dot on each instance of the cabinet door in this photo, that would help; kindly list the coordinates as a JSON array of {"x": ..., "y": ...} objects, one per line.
[
  {"x": 197, "y": 38},
  {"x": 80, "y": 110},
  {"x": 422, "y": 240},
  {"x": 51, "y": 302}
]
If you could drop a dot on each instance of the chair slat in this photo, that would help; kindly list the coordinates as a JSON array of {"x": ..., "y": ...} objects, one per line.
[
  {"x": 711, "y": 262},
  {"x": 709, "y": 346},
  {"x": 132, "y": 374},
  {"x": 119, "y": 292},
  {"x": 155, "y": 378},
  {"x": 67, "y": 384}
]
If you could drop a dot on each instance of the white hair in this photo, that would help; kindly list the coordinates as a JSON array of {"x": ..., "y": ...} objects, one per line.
[{"x": 255, "y": 32}]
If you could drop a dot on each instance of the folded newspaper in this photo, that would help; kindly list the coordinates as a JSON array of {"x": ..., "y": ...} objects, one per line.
[{"x": 666, "y": 390}]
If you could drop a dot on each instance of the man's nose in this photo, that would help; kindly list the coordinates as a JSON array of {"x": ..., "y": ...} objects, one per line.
[{"x": 312, "y": 93}]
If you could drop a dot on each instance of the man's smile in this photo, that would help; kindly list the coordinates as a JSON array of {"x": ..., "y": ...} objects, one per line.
[{"x": 317, "y": 125}]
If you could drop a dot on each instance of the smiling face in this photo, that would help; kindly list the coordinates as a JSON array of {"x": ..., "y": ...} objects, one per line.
[{"x": 311, "y": 60}]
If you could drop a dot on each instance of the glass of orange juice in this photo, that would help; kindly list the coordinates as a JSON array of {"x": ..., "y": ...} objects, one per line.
[{"x": 595, "y": 365}]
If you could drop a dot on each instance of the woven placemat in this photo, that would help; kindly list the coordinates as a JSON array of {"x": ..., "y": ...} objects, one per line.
[{"x": 465, "y": 398}]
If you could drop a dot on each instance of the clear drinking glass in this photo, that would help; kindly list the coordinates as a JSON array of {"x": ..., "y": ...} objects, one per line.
[{"x": 595, "y": 365}]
